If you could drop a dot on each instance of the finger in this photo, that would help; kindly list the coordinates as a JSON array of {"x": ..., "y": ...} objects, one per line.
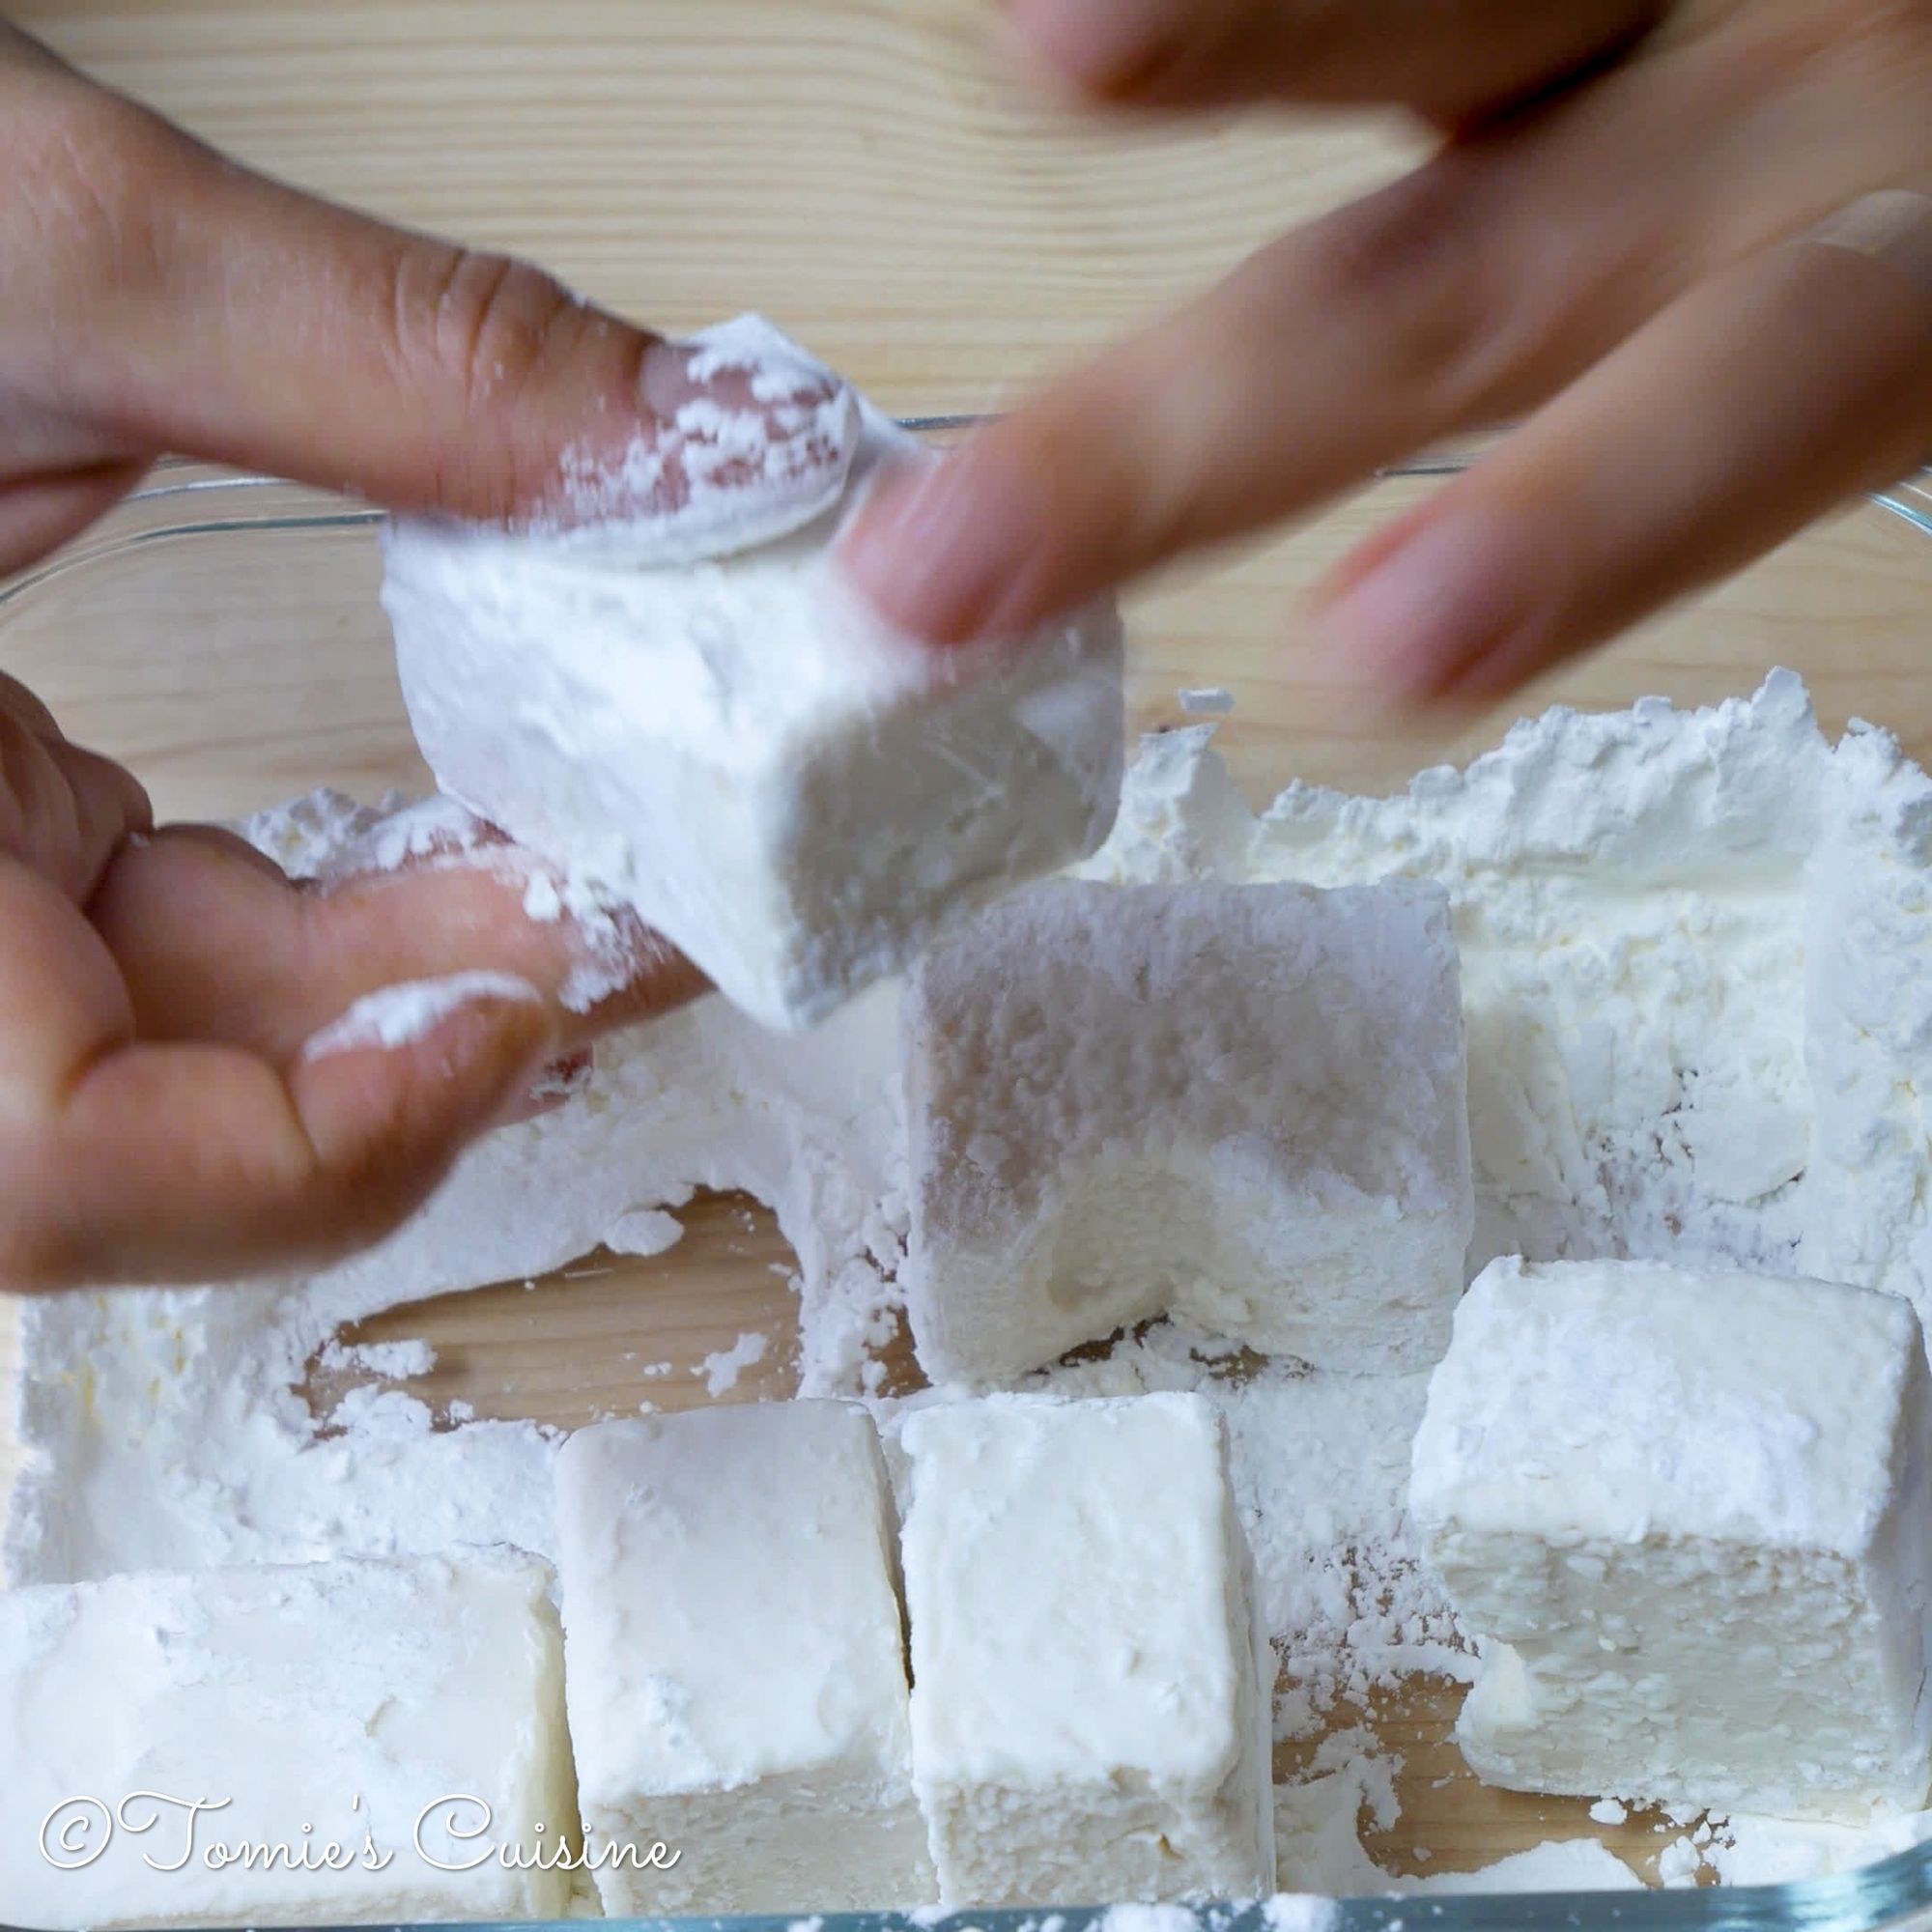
[
  {"x": 1461, "y": 290},
  {"x": 121, "y": 1162},
  {"x": 1749, "y": 408},
  {"x": 179, "y": 301},
  {"x": 215, "y": 946},
  {"x": 1447, "y": 61},
  {"x": 1468, "y": 291},
  {"x": 63, "y": 809},
  {"x": 16, "y": 697},
  {"x": 38, "y": 514}
]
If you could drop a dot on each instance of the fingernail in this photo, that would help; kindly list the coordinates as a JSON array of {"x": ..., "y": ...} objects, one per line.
[
  {"x": 1422, "y": 613},
  {"x": 934, "y": 554},
  {"x": 399, "y": 1015}
]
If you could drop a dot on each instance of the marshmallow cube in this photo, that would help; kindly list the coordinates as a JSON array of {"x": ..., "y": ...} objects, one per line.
[
  {"x": 1090, "y": 1708},
  {"x": 736, "y": 1663},
  {"x": 1243, "y": 1104},
  {"x": 1688, "y": 1513},
  {"x": 735, "y": 745},
  {"x": 404, "y": 1719}
]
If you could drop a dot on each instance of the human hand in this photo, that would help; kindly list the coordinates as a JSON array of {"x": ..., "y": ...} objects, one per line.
[
  {"x": 165, "y": 1113},
  {"x": 172, "y": 1106},
  {"x": 1616, "y": 239}
]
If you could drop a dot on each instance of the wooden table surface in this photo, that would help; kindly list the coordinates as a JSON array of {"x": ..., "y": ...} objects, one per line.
[{"x": 862, "y": 171}]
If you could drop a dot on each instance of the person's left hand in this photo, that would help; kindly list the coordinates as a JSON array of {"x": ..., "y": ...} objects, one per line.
[{"x": 173, "y": 1102}]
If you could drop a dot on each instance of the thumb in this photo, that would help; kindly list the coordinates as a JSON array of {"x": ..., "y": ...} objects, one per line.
[{"x": 203, "y": 308}]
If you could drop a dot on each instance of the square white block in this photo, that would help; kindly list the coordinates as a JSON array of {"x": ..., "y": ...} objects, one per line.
[
  {"x": 733, "y": 744},
  {"x": 1090, "y": 1709},
  {"x": 1240, "y": 1103},
  {"x": 375, "y": 1707},
  {"x": 736, "y": 1661},
  {"x": 1688, "y": 1514}
]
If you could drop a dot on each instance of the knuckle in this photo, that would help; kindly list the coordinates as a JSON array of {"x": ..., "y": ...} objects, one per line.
[
  {"x": 1444, "y": 276},
  {"x": 487, "y": 319},
  {"x": 1407, "y": 252},
  {"x": 491, "y": 328}
]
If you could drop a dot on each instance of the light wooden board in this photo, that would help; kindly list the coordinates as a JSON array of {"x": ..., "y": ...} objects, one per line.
[{"x": 859, "y": 170}]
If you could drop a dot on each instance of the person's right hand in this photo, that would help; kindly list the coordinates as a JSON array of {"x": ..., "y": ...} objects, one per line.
[
  {"x": 1616, "y": 242},
  {"x": 165, "y": 1114}
]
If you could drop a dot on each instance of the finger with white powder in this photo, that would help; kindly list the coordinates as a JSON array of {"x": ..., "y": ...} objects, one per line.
[
  {"x": 215, "y": 946},
  {"x": 126, "y": 1159}
]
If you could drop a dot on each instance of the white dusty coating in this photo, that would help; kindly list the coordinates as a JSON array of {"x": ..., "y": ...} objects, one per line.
[
  {"x": 753, "y": 438},
  {"x": 400, "y": 1015},
  {"x": 1243, "y": 1104},
  {"x": 732, "y": 744},
  {"x": 736, "y": 1660},
  {"x": 1088, "y": 1718},
  {"x": 1690, "y": 946},
  {"x": 375, "y": 1707},
  {"x": 1689, "y": 1516},
  {"x": 1629, "y": 903}
]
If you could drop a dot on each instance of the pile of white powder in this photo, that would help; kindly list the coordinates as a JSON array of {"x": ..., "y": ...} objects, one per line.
[{"x": 1694, "y": 957}]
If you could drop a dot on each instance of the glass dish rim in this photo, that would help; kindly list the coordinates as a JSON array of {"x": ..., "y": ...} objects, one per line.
[{"x": 182, "y": 498}]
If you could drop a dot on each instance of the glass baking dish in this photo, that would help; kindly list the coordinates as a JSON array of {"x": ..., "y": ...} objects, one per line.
[{"x": 221, "y": 633}]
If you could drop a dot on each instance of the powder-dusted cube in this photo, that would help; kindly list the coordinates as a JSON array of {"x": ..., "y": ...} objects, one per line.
[
  {"x": 736, "y": 1663},
  {"x": 1688, "y": 1514},
  {"x": 733, "y": 743},
  {"x": 1090, "y": 1709},
  {"x": 1242, "y": 1104},
  {"x": 402, "y": 1720}
]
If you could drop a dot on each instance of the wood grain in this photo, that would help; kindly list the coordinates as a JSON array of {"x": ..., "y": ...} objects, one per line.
[{"x": 864, "y": 173}]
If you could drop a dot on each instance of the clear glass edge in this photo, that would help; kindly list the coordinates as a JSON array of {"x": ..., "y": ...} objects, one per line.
[
  {"x": 182, "y": 498},
  {"x": 1889, "y": 1892}
]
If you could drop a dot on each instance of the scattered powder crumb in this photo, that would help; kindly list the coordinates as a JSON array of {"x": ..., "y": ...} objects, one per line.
[
  {"x": 459, "y": 1411},
  {"x": 1558, "y": 1864},
  {"x": 395, "y": 1361},
  {"x": 1608, "y": 1812},
  {"x": 1148, "y": 1919},
  {"x": 1298, "y": 1911},
  {"x": 1678, "y": 1861},
  {"x": 1212, "y": 701},
  {"x": 643, "y": 1230},
  {"x": 721, "y": 1371},
  {"x": 542, "y": 901},
  {"x": 369, "y": 1410}
]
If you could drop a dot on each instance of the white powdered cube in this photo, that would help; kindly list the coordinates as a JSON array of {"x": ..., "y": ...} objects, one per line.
[
  {"x": 693, "y": 714},
  {"x": 400, "y": 1721},
  {"x": 1688, "y": 1513},
  {"x": 1242, "y": 1104},
  {"x": 736, "y": 1663},
  {"x": 1089, "y": 1709}
]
